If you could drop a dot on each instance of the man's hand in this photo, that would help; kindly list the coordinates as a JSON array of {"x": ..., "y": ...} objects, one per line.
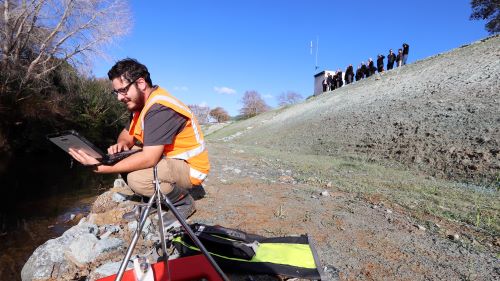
[
  {"x": 120, "y": 146},
  {"x": 83, "y": 157}
]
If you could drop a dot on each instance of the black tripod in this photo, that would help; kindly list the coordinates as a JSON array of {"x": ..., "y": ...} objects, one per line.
[{"x": 160, "y": 197}]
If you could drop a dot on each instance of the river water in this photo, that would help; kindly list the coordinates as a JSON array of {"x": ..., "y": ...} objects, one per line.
[{"x": 40, "y": 195}]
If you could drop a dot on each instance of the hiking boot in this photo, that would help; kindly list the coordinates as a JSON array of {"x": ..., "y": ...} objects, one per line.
[
  {"x": 197, "y": 192},
  {"x": 185, "y": 207},
  {"x": 134, "y": 197}
]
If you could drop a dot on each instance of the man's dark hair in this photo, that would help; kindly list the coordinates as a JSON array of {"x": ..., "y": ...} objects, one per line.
[{"x": 131, "y": 70}]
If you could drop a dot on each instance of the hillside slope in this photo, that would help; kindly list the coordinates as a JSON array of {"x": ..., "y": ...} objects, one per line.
[{"x": 440, "y": 115}]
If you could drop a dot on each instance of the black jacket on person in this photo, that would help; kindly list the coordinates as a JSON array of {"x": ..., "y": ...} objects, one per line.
[
  {"x": 391, "y": 58},
  {"x": 349, "y": 70},
  {"x": 380, "y": 63},
  {"x": 330, "y": 80},
  {"x": 406, "y": 49},
  {"x": 371, "y": 69},
  {"x": 399, "y": 57},
  {"x": 349, "y": 73},
  {"x": 359, "y": 74},
  {"x": 365, "y": 71},
  {"x": 339, "y": 79}
]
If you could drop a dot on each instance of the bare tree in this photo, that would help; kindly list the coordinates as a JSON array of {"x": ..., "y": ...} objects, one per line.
[
  {"x": 201, "y": 112},
  {"x": 219, "y": 114},
  {"x": 253, "y": 104},
  {"x": 38, "y": 36},
  {"x": 289, "y": 98},
  {"x": 487, "y": 10}
]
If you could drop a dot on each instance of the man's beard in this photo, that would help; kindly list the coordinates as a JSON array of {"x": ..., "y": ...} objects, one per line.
[{"x": 138, "y": 103}]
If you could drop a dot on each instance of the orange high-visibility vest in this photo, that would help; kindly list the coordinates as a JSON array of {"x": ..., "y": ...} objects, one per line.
[{"x": 188, "y": 145}]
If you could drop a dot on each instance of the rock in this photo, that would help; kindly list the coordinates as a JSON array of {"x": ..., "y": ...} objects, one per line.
[
  {"x": 87, "y": 247},
  {"x": 389, "y": 211},
  {"x": 118, "y": 197},
  {"x": 112, "y": 228},
  {"x": 132, "y": 226},
  {"x": 51, "y": 254},
  {"x": 105, "y": 235},
  {"x": 119, "y": 183},
  {"x": 454, "y": 237},
  {"x": 325, "y": 193},
  {"x": 420, "y": 227},
  {"x": 329, "y": 184},
  {"x": 104, "y": 202},
  {"x": 109, "y": 268}
]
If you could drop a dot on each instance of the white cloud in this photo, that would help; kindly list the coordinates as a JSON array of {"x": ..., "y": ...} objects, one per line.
[
  {"x": 268, "y": 96},
  {"x": 224, "y": 90},
  {"x": 181, "y": 88}
]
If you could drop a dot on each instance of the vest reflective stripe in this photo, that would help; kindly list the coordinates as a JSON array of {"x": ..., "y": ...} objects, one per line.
[
  {"x": 190, "y": 153},
  {"x": 197, "y": 174},
  {"x": 158, "y": 98}
]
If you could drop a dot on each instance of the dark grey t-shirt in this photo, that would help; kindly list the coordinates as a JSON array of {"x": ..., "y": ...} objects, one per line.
[{"x": 161, "y": 125}]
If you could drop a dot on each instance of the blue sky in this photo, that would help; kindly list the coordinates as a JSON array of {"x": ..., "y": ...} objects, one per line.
[{"x": 211, "y": 52}]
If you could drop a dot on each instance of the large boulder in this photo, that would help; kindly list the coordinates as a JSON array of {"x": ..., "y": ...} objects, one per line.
[{"x": 57, "y": 258}]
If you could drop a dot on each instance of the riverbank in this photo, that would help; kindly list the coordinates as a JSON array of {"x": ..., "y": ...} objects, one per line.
[{"x": 36, "y": 222}]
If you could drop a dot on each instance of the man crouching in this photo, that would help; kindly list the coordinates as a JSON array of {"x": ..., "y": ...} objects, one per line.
[{"x": 168, "y": 133}]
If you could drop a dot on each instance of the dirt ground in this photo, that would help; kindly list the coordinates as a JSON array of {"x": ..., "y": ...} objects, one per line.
[{"x": 357, "y": 238}]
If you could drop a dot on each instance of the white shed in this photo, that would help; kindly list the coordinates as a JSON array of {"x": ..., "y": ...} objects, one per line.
[{"x": 318, "y": 81}]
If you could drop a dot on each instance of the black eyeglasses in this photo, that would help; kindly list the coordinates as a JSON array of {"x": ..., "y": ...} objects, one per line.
[{"x": 124, "y": 90}]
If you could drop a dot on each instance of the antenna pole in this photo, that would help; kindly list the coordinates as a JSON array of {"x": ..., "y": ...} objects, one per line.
[{"x": 317, "y": 47}]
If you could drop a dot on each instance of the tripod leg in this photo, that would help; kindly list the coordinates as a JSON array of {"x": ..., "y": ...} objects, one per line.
[
  {"x": 159, "y": 197},
  {"x": 140, "y": 225},
  {"x": 193, "y": 236}
]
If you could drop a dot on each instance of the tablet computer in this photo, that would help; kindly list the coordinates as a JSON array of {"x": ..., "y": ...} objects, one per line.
[{"x": 71, "y": 139}]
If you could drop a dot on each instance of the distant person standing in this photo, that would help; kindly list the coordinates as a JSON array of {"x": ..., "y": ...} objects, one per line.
[
  {"x": 399, "y": 58},
  {"x": 372, "y": 67},
  {"x": 330, "y": 82},
  {"x": 325, "y": 84},
  {"x": 370, "y": 70},
  {"x": 380, "y": 63},
  {"x": 391, "y": 58},
  {"x": 349, "y": 73},
  {"x": 364, "y": 69},
  {"x": 340, "y": 83},
  {"x": 406, "y": 49},
  {"x": 334, "y": 81},
  {"x": 359, "y": 73}
]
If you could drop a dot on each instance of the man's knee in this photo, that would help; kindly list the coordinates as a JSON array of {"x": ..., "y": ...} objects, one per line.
[{"x": 140, "y": 183}]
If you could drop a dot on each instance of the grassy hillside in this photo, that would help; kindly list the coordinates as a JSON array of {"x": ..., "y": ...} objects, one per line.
[{"x": 425, "y": 136}]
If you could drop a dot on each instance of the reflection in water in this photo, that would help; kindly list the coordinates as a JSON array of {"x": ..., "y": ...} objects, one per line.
[{"x": 39, "y": 195}]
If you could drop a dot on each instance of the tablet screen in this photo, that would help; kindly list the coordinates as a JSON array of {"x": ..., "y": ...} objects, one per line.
[{"x": 71, "y": 139}]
